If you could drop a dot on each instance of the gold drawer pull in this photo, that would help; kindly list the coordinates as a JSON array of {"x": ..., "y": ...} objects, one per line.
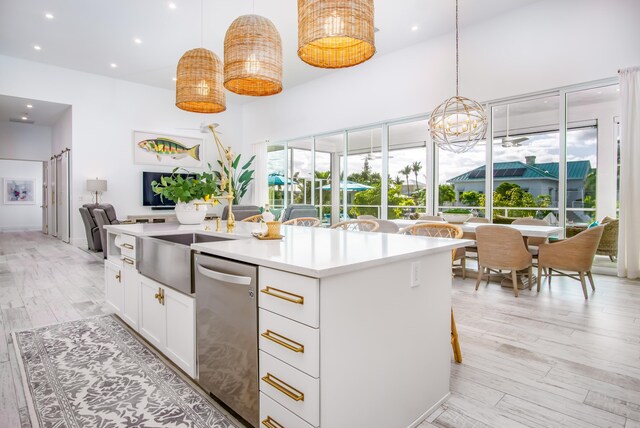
[
  {"x": 282, "y": 341},
  {"x": 127, "y": 246},
  {"x": 271, "y": 423},
  {"x": 274, "y": 292},
  {"x": 127, "y": 260},
  {"x": 284, "y": 387}
]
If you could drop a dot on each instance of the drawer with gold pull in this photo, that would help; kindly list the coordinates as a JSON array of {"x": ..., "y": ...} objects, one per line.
[
  {"x": 273, "y": 415},
  {"x": 290, "y": 341},
  {"x": 291, "y": 388},
  {"x": 127, "y": 244},
  {"x": 290, "y": 295}
]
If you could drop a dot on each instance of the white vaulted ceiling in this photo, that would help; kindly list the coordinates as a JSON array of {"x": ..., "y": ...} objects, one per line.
[{"x": 90, "y": 35}]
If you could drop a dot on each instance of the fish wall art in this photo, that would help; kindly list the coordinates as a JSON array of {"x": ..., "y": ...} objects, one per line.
[{"x": 167, "y": 150}]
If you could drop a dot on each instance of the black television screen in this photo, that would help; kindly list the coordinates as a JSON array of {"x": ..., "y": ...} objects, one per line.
[{"x": 150, "y": 199}]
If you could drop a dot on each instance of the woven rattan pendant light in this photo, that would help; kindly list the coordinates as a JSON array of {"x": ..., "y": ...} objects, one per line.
[
  {"x": 253, "y": 57},
  {"x": 199, "y": 81},
  {"x": 458, "y": 123},
  {"x": 335, "y": 33}
]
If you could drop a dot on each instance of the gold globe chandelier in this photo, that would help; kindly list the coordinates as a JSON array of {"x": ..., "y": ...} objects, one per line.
[
  {"x": 253, "y": 57},
  {"x": 458, "y": 123},
  {"x": 199, "y": 81},
  {"x": 335, "y": 33}
]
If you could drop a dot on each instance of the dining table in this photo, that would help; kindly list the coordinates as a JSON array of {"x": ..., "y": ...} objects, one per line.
[{"x": 527, "y": 231}]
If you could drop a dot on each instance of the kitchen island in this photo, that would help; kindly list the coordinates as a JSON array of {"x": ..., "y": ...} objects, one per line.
[{"x": 353, "y": 327}]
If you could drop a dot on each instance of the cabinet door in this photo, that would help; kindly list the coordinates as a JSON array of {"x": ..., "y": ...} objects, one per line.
[
  {"x": 180, "y": 345},
  {"x": 152, "y": 318},
  {"x": 131, "y": 293},
  {"x": 113, "y": 286}
]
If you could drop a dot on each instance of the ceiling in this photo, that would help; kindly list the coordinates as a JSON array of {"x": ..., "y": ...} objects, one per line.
[
  {"x": 41, "y": 113},
  {"x": 90, "y": 35}
]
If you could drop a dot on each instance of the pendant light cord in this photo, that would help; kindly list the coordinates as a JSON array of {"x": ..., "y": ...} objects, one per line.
[
  {"x": 202, "y": 23},
  {"x": 457, "y": 54}
]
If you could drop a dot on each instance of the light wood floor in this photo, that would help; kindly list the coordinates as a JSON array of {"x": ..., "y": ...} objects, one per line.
[{"x": 547, "y": 360}]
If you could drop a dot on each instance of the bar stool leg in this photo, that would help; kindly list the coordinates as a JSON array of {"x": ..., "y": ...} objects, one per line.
[{"x": 455, "y": 343}]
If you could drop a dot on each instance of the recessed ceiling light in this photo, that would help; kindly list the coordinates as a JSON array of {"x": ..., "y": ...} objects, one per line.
[
  {"x": 37, "y": 47},
  {"x": 24, "y": 118},
  {"x": 172, "y": 6},
  {"x": 617, "y": 89},
  {"x": 175, "y": 79},
  {"x": 414, "y": 28},
  {"x": 114, "y": 65},
  {"x": 29, "y": 106},
  {"x": 48, "y": 15},
  {"x": 137, "y": 41},
  {"x": 599, "y": 92}
]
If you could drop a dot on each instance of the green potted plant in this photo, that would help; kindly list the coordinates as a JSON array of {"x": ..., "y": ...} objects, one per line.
[
  {"x": 185, "y": 191},
  {"x": 240, "y": 177},
  {"x": 457, "y": 215}
]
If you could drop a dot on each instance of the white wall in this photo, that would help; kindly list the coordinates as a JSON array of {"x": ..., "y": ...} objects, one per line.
[
  {"x": 24, "y": 141},
  {"x": 545, "y": 45},
  {"x": 21, "y": 217},
  {"x": 61, "y": 136},
  {"x": 104, "y": 113}
]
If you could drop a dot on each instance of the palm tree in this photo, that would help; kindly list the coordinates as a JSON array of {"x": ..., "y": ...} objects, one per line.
[
  {"x": 416, "y": 167},
  {"x": 406, "y": 171}
]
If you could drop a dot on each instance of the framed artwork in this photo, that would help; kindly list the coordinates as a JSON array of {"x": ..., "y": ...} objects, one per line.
[
  {"x": 152, "y": 148},
  {"x": 20, "y": 191}
]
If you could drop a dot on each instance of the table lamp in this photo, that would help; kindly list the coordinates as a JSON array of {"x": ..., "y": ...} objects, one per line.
[{"x": 97, "y": 186}]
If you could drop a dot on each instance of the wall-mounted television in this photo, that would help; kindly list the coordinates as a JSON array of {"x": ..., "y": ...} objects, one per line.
[{"x": 150, "y": 199}]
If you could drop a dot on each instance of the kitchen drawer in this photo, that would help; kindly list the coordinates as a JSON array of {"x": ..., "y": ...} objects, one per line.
[
  {"x": 278, "y": 335},
  {"x": 290, "y": 295},
  {"x": 273, "y": 415},
  {"x": 297, "y": 391},
  {"x": 127, "y": 245}
]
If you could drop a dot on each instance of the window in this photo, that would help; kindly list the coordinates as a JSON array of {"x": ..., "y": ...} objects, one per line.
[
  {"x": 276, "y": 167},
  {"x": 408, "y": 168},
  {"x": 364, "y": 173},
  {"x": 461, "y": 179}
]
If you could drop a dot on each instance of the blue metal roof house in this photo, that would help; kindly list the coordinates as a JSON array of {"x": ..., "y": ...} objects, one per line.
[{"x": 535, "y": 178}]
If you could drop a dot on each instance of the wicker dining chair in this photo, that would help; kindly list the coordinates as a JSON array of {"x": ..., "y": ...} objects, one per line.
[
  {"x": 502, "y": 248},
  {"x": 532, "y": 242},
  {"x": 443, "y": 231},
  {"x": 303, "y": 221},
  {"x": 574, "y": 254},
  {"x": 253, "y": 219},
  {"x": 357, "y": 225},
  {"x": 472, "y": 235},
  {"x": 387, "y": 226},
  {"x": 438, "y": 230}
]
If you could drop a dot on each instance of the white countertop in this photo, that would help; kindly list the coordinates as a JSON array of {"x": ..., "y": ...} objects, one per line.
[{"x": 310, "y": 251}]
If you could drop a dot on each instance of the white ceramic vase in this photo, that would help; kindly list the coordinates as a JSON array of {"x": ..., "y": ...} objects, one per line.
[{"x": 188, "y": 214}]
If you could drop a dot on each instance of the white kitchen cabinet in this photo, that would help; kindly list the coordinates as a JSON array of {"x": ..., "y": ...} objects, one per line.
[
  {"x": 131, "y": 293},
  {"x": 113, "y": 293},
  {"x": 152, "y": 313},
  {"x": 180, "y": 344},
  {"x": 167, "y": 321}
]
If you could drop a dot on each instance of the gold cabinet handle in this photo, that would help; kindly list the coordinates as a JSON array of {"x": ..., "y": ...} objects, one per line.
[
  {"x": 284, "y": 387},
  {"x": 128, "y": 260},
  {"x": 284, "y": 295},
  {"x": 160, "y": 296},
  {"x": 127, "y": 246},
  {"x": 283, "y": 341},
  {"x": 271, "y": 423},
  {"x": 119, "y": 277}
]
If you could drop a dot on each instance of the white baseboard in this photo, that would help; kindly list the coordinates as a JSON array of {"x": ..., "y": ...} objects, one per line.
[{"x": 20, "y": 228}]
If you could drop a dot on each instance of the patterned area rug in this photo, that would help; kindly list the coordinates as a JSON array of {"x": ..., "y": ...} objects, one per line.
[{"x": 94, "y": 373}]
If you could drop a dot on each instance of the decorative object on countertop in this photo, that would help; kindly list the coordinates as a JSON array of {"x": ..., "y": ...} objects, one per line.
[
  {"x": 153, "y": 148},
  {"x": 267, "y": 215},
  {"x": 240, "y": 179},
  {"x": 20, "y": 191},
  {"x": 335, "y": 33},
  {"x": 199, "y": 79},
  {"x": 272, "y": 232},
  {"x": 187, "y": 192},
  {"x": 97, "y": 186},
  {"x": 234, "y": 186},
  {"x": 458, "y": 123},
  {"x": 105, "y": 368},
  {"x": 253, "y": 57},
  {"x": 457, "y": 215}
]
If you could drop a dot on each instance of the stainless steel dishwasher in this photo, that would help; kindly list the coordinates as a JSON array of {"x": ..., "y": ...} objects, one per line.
[{"x": 227, "y": 333}]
